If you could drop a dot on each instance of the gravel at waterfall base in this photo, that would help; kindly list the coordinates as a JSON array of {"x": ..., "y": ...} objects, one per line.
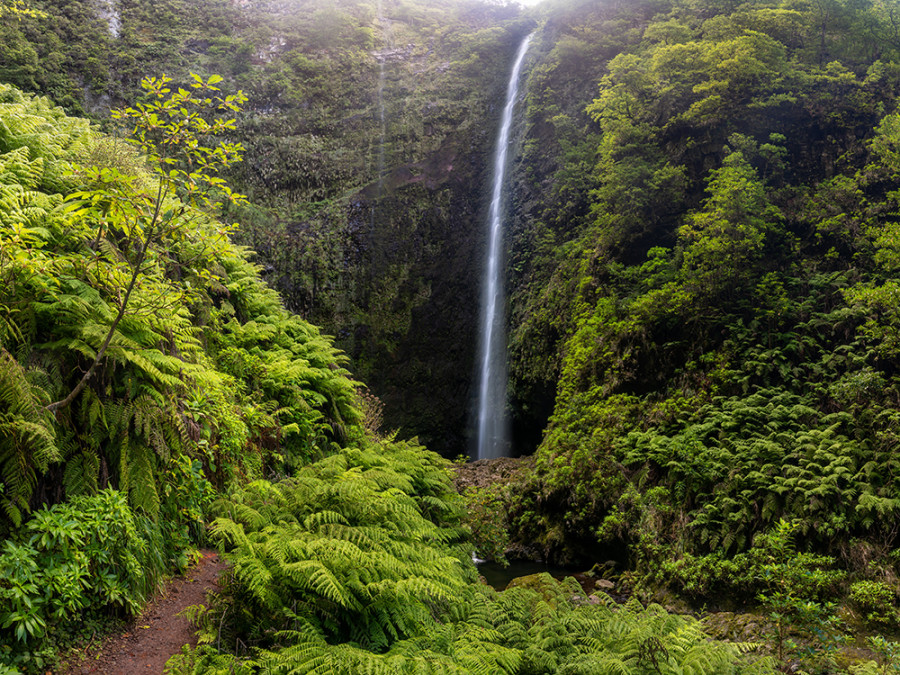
[
  {"x": 486, "y": 472},
  {"x": 150, "y": 640}
]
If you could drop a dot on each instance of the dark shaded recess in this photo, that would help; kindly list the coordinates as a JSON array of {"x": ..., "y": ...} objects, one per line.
[
  {"x": 580, "y": 548},
  {"x": 529, "y": 419},
  {"x": 422, "y": 376}
]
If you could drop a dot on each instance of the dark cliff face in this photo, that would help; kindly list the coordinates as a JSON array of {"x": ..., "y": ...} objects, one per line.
[{"x": 413, "y": 332}]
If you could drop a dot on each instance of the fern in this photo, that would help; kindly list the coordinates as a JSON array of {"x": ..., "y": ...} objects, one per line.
[
  {"x": 338, "y": 570},
  {"x": 81, "y": 475},
  {"x": 27, "y": 437}
]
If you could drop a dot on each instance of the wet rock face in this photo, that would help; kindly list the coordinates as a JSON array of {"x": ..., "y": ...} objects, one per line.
[
  {"x": 108, "y": 11},
  {"x": 414, "y": 304},
  {"x": 385, "y": 243},
  {"x": 394, "y": 53}
]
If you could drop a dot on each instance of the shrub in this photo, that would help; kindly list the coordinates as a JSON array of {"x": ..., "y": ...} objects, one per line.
[
  {"x": 875, "y": 599},
  {"x": 69, "y": 562},
  {"x": 486, "y": 520}
]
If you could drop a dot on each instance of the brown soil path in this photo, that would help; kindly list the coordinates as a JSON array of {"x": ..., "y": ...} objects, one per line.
[{"x": 151, "y": 639}]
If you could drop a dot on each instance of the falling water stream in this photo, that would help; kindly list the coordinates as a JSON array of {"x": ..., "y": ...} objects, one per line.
[
  {"x": 492, "y": 421},
  {"x": 108, "y": 10}
]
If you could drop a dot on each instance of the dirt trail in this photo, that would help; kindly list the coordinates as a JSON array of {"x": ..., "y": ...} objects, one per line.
[{"x": 151, "y": 639}]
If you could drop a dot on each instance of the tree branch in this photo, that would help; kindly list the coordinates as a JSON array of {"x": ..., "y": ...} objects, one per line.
[{"x": 82, "y": 383}]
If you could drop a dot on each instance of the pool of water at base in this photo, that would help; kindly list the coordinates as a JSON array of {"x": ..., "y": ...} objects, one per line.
[{"x": 498, "y": 576}]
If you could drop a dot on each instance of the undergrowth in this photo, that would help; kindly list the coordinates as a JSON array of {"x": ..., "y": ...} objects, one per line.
[
  {"x": 144, "y": 365},
  {"x": 358, "y": 564}
]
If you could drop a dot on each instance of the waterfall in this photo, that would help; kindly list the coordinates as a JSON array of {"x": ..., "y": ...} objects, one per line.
[
  {"x": 493, "y": 437},
  {"x": 382, "y": 120},
  {"x": 108, "y": 10}
]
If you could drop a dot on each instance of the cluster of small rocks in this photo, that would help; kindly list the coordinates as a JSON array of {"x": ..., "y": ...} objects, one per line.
[{"x": 486, "y": 472}]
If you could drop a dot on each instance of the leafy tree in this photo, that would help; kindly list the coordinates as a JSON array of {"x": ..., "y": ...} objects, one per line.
[
  {"x": 724, "y": 240},
  {"x": 170, "y": 130}
]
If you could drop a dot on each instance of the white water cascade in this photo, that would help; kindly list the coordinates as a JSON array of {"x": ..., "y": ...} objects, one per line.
[
  {"x": 493, "y": 436},
  {"x": 108, "y": 10}
]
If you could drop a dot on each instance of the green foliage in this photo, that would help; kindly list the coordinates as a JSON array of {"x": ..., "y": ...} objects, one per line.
[
  {"x": 725, "y": 238},
  {"x": 172, "y": 129},
  {"x": 795, "y": 582},
  {"x": 706, "y": 288},
  {"x": 876, "y": 600},
  {"x": 27, "y": 437},
  {"x": 356, "y": 564},
  {"x": 132, "y": 219},
  {"x": 114, "y": 294},
  {"x": 346, "y": 536},
  {"x": 888, "y": 658},
  {"x": 487, "y": 522},
  {"x": 139, "y": 351},
  {"x": 18, "y": 9},
  {"x": 68, "y": 563}
]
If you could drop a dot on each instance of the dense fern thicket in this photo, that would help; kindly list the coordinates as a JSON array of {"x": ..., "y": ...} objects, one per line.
[
  {"x": 203, "y": 383},
  {"x": 703, "y": 275},
  {"x": 369, "y": 124},
  {"x": 357, "y": 564}
]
